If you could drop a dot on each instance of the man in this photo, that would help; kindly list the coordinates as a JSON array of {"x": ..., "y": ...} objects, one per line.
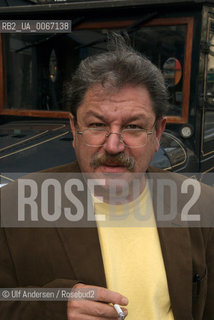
[{"x": 118, "y": 103}]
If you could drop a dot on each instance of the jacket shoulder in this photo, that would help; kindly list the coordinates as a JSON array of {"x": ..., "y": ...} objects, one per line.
[{"x": 69, "y": 167}]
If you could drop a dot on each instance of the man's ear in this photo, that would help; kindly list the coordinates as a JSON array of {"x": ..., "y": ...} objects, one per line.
[
  {"x": 160, "y": 127},
  {"x": 73, "y": 128}
]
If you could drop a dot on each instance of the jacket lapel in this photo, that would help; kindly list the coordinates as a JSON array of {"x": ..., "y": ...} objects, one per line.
[
  {"x": 83, "y": 251},
  {"x": 175, "y": 245},
  {"x": 176, "y": 250},
  {"x": 81, "y": 243}
]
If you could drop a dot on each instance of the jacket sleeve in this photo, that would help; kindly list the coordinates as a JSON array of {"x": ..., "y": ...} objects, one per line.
[{"x": 27, "y": 310}]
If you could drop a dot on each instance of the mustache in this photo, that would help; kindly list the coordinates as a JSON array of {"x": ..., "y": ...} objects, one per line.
[{"x": 121, "y": 159}]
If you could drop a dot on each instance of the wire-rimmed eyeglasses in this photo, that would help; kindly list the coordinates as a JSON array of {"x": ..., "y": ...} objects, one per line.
[{"x": 132, "y": 138}]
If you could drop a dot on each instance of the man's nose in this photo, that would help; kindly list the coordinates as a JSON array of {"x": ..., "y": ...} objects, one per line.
[{"x": 114, "y": 143}]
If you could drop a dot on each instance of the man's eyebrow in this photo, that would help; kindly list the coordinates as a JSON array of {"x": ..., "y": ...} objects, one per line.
[
  {"x": 128, "y": 118},
  {"x": 136, "y": 117},
  {"x": 145, "y": 120},
  {"x": 94, "y": 114}
]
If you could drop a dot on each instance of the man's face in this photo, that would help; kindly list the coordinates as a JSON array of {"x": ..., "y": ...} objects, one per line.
[{"x": 128, "y": 107}]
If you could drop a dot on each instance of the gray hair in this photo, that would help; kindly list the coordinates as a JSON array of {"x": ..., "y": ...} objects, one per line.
[{"x": 119, "y": 66}]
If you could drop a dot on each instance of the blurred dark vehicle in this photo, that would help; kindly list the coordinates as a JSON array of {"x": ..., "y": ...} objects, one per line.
[{"x": 178, "y": 36}]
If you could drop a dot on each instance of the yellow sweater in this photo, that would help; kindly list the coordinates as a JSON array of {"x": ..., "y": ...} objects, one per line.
[{"x": 133, "y": 259}]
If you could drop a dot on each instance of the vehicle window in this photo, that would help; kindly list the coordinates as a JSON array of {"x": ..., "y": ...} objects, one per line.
[
  {"x": 37, "y": 65},
  {"x": 210, "y": 67},
  {"x": 165, "y": 46},
  {"x": 208, "y": 124}
]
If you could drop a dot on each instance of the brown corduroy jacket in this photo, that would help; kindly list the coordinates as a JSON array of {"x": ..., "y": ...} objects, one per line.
[{"x": 60, "y": 257}]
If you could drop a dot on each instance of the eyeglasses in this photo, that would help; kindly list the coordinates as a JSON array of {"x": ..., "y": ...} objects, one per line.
[{"x": 132, "y": 138}]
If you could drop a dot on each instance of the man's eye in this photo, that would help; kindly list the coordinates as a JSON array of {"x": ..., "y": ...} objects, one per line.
[
  {"x": 133, "y": 126},
  {"x": 97, "y": 125}
]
